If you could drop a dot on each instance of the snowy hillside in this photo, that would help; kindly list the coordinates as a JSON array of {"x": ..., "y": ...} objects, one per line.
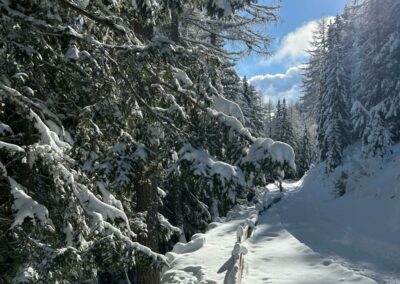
[
  {"x": 362, "y": 226},
  {"x": 312, "y": 235}
]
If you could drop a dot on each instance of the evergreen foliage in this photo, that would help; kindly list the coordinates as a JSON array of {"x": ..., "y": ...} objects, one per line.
[
  {"x": 355, "y": 63},
  {"x": 109, "y": 129},
  {"x": 306, "y": 154}
]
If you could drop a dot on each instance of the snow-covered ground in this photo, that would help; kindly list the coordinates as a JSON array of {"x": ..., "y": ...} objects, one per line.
[
  {"x": 361, "y": 229},
  {"x": 207, "y": 265},
  {"x": 311, "y": 235}
]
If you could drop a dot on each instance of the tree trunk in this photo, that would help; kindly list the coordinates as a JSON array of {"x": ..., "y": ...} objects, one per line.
[
  {"x": 143, "y": 31},
  {"x": 213, "y": 39},
  {"x": 174, "y": 29},
  {"x": 147, "y": 202},
  {"x": 178, "y": 208}
]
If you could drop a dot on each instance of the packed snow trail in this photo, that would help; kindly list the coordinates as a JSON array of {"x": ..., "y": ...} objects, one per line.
[
  {"x": 359, "y": 230},
  {"x": 276, "y": 256}
]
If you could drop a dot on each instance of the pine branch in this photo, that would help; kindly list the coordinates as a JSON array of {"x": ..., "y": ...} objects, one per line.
[{"x": 101, "y": 20}]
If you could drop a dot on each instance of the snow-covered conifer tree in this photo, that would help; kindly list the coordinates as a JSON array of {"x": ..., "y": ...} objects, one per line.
[
  {"x": 377, "y": 138},
  {"x": 306, "y": 155},
  {"x": 334, "y": 125},
  {"x": 313, "y": 78}
]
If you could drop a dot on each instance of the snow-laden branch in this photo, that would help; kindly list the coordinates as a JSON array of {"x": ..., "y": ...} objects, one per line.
[
  {"x": 10, "y": 147},
  {"x": 98, "y": 19},
  {"x": 25, "y": 207},
  {"x": 203, "y": 164}
]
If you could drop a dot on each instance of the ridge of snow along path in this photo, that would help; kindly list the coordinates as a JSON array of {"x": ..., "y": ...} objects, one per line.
[
  {"x": 276, "y": 252},
  {"x": 206, "y": 264}
]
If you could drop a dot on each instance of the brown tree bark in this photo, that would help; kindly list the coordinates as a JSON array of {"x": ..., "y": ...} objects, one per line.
[{"x": 147, "y": 203}]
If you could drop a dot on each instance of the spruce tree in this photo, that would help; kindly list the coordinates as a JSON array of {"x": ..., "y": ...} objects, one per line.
[
  {"x": 377, "y": 139},
  {"x": 287, "y": 133},
  {"x": 334, "y": 126},
  {"x": 98, "y": 116},
  {"x": 313, "y": 77},
  {"x": 306, "y": 154}
]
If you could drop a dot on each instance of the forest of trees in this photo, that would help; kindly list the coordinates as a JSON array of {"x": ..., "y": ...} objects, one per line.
[
  {"x": 121, "y": 132},
  {"x": 124, "y": 126},
  {"x": 352, "y": 81}
]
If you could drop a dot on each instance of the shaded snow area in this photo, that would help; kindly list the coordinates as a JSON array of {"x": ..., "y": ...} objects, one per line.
[
  {"x": 361, "y": 229},
  {"x": 312, "y": 235}
]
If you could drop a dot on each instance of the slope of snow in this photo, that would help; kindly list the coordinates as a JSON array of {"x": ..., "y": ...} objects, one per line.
[
  {"x": 363, "y": 226},
  {"x": 276, "y": 256}
]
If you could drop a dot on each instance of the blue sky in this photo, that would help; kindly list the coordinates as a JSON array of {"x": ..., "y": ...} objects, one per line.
[{"x": 280, "y": 75}]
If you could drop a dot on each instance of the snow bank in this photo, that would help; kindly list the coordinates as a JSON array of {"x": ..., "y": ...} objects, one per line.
[
  {"x": 372, "y": 199},
  {"x": 276, "y": 256},
  {"x": 192, "y": 274},
  {"x": 362, "y": 226},
  {"x": 196, "y": 243},
  {"x": 276, "y": 252},
  {"x": 210, "y": 262}
]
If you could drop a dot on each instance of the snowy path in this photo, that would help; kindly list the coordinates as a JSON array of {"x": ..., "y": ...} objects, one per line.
[
  {"x": 208, "y": 263},
  {"x": 275, "y": 255}
]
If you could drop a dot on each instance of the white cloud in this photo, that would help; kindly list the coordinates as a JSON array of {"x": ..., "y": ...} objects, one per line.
[
  {"x": 281, "y": 85},
  {"x": 292, "y": 54},
  {"x": 295, "y": 44},
  {"x": 293, "y": 47}
]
